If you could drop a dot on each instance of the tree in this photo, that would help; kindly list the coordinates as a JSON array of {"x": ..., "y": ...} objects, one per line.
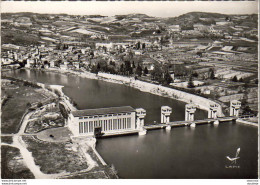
[
  {"x": 57, "y": 63},
  {"x": 143, "y": 46},
  {"x": 246, "y": 83},
  {"x": 180, "y": 70},
  {"x": 139, "y": 70},
  {"x": 98, "y": 67},
  {"x": 122, "y": 69},
  {"x": 245, "y": 98},
  {"x": 156, "y": 73},
  {"x": 28, "y": 105},
  {"x": 211, "y": 74},
  {"x": 112, "y": 63},
  {"x": 91, "y": 54},
  {"x": 234, "y": 79},
  {"x": 39, "y": 104},
  {"x": 63, "y": 111},
  {"x": 190, "y": 83},
  {"x": 146, "y": 71},
  {"x": 127, "y": 65},
  {"x": 133, "y": 64},
  {"x": 167, "y": 78},
  {"x": 94, "y": 70},
  {"x": 138, "y": 45},
  {"x": 121, "y": 49},
  {"x": 21, "y": 64},
  {"x": 247, "y": 110},
  {"x": 195, "y": 75}
]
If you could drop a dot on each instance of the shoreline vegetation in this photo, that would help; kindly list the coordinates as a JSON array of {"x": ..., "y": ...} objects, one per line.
[
  {"x": 159, "y": 90},
  {"x": 96, "y": 167},
  {"x": 98, "y": 164}
]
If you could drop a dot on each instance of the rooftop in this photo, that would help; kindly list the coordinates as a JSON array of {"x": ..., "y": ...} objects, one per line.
[{"x": 102, "y": 111}]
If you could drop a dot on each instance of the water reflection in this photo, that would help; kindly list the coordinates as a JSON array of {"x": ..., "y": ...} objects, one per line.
[
  {"x": 184, "y": 152},
  {"x": 89, "y": 93},
  {"x": 181, "y": 153}
]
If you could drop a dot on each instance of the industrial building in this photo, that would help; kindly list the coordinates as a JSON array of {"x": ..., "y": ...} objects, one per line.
[{"x": 105, "y": 120}]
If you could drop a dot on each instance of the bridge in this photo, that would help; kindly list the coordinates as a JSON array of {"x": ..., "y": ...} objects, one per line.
[
  {"x": 139, "y": 115},
  {"x": 171, "y": 125},
  {"x": 189, "y": 123}
]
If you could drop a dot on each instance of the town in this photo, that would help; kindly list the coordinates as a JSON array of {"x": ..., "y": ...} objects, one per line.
[
  {"x": 207, "y": 60},
  {"x": 212, "y": 55}
]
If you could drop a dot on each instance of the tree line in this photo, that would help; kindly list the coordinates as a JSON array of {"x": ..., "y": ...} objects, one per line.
[{"x": 128, "y": 68}]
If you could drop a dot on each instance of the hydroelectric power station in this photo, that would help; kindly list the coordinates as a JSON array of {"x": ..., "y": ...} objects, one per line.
[{"x": 127, "y": 120}]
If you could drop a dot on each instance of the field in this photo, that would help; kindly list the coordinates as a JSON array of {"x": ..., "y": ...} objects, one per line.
[
  {"x": 55, "y": 157},
  {"x": 18, "y": 37},
  {"x": 16, "y": 103},
  {"x": 73, "y": 160},
  {"x": 7, "y": 139},
  {"x": 12, "y": 166}
]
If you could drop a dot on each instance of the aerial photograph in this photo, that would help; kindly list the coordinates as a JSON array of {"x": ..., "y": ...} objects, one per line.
[{"x": 129, "y": 90}]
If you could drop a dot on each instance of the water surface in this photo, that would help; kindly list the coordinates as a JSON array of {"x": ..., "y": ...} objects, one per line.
[
  {"x": 91, "y": 93},
  {"x": 181, "y": 153},
  {"x": 184, "y": 152}
]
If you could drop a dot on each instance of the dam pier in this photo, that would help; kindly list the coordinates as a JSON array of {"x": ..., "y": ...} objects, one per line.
[{"x": 125, "y": 120}]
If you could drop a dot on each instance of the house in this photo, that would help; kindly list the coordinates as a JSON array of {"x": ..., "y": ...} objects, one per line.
[
  {"x": 201, "y": 27},
  {"x": 174, "y": 28}
]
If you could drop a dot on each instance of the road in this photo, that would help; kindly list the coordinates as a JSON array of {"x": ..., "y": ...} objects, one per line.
[{"x": 28, "y": 158}]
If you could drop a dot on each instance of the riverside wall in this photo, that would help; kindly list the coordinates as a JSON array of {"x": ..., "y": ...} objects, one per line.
[
  {"x": 246, "y": 122},
  {"x": 201, "y": 102},
  {"x": 84, "y": 74}
]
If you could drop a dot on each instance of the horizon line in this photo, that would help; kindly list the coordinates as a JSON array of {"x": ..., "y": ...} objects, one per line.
[
  {"x": 111, "y": 8},
  {"x": 126, "y": 14}
]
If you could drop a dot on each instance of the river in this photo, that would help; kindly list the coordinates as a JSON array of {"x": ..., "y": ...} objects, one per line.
[{"x": 180, "y": 153}]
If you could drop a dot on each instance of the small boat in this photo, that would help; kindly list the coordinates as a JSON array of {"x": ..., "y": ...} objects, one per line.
[{"x": 193, "y": 125}]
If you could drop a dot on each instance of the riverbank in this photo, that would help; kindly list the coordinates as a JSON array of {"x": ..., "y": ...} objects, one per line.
[
  {"x": 81, "y": 89},
  {"x": 86, "y": 146},
  {"x": 201, "y": 102},
  {"x": 21, "y": 96},
  {"x": 36, "y": 153},
  {"x": 239, "y": 120},
  {"x": 83, "y": 143}
]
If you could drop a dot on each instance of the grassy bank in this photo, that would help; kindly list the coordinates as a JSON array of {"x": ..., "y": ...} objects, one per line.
[
  {"x": 7, "y": 139},
  {"x": 21, "y": 95},
  {"x": 67, "y": 158},
  {"x": 104, "y": 172},
  {"x": 12, "y": 166},
  {"x": 55, "y": 157}
]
